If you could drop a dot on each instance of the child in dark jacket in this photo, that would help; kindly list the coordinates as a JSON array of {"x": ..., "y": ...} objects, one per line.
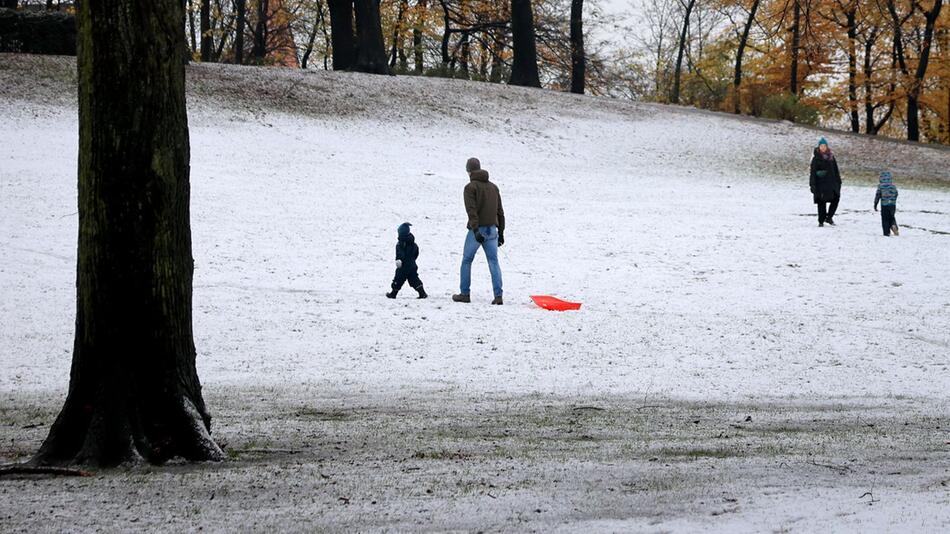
[
  {"x": 887, "y": 196},
  {"x": 406, "y": 269}
]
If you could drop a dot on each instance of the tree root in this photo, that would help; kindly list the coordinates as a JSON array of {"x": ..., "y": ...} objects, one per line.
[{"x": 27, "y": 469}]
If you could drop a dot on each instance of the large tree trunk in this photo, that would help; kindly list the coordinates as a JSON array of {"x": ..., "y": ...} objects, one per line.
[
  {"x": 677, "y": 73},
  {"x": 370, "y": 48},
  {"x": 207, "y": 40},
  {"x": 239, "y": 32},
  {"x": 134, "y": 393},
  {"x": 341, "y": 33},
  {"x": 524, "y": 69},
  {"x": 796, "y": 46},
  {"x": 743, "y": 40},
  {"x": 578, "y": 58}
]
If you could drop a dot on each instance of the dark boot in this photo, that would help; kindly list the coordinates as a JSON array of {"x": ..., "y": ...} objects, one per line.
[
  {"x": 422, "y": 292},
  {"x": 461, "y": 298},
  {"x": 392, "y": 294},
  {"x": 829, "y": 220},
  {"x": 498, "y": 301}
]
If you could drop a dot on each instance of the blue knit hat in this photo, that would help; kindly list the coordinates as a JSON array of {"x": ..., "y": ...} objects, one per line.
[
  {"x": 886, "y": 177},
  {"x": 822, "y": 141},
  {"x": 403, "y": 229}
]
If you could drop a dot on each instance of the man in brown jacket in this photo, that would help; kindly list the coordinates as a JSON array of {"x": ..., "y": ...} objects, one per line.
[{"x": 486, "y": 229}]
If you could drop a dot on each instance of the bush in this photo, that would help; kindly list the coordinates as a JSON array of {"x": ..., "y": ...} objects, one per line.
[{"x": 790, "y": 108}]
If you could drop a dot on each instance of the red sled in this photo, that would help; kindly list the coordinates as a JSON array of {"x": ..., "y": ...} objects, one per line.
[{"x": 554, "y": 304}]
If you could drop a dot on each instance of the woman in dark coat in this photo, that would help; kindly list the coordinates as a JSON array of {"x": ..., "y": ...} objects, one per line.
[{"x": 825, "y": 182}]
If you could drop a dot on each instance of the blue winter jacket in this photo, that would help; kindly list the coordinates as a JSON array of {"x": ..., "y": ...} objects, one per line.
[{"x": 886, "y": 192}]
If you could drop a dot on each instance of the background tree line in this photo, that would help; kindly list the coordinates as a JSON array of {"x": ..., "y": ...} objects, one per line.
[{"x": 871, "y": 66}]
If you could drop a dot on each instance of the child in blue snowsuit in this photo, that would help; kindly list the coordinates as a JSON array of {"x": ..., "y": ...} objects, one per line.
[
  {"x": 887, "y": 196},
  {"x": 406, "y": 269}
]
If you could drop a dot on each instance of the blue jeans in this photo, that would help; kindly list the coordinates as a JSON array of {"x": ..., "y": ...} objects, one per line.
[{"x": 491, "y": 252}]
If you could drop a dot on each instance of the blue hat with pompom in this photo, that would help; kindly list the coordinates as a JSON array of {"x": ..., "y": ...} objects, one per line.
[{"x": 404, "y": 229}]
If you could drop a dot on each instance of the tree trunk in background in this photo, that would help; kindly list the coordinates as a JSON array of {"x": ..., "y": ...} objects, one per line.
[
  {"x": 397, "y": 32},
  {"x": 853, "y": 68},
  {"x": 913, "y": 96},
  {"x": 498, "y": 48},
  {"x": 134, "y": 393},
  {"x": 466, "y": 52},
  {"x": 239, "y": 32},
  {"x": 677, "y": 73},
  {"x": 868, "y": 88},
  {"x": 341, "y": 33},
  {"x": 370, "y": 48},
  {"x": 524, "y": 69},
  {"x": 578, "y": 59},
  {"x": 259, "y": 46},
  {"x": 313, "y": 37},
  {"x": 446, "y": 33},
  {"x": 191, "y": 27},
  {"x": 743, "y": 40},
  {"x": 417, "y": 51},
  {"x": 796, "y": 45},
  {"x": 207, "y": 41}
]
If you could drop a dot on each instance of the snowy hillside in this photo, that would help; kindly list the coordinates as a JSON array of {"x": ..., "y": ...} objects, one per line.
[{"x": 689, "y": 237}]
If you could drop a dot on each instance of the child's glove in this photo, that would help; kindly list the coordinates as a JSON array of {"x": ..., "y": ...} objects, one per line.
[
  {"x": 399, "y": 264},
  {"x": 821, "y": 174},
  {"x": 875, "y": 207},
  {"x": 501, "y": 238},
  {"x": 478, "y": 236}
]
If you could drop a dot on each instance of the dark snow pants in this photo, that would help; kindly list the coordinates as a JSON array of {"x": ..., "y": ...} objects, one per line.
[
  {"x": 887, "y": 218},
  {"x": 402, "y": 275},
  {"x": 822, "y": 214}
]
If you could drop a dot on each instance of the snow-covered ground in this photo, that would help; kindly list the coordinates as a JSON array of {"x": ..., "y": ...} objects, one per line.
[{"x": 709, "y": 293}]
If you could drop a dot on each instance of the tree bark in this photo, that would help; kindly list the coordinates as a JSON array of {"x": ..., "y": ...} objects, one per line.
[
  {"x": 370, "y": 48},
  {"x": 341, "y": 33},
  {"x": 207, "y": 40},
  {"x": 134, "y": 393},
  {"x": 239, "y": 32},
  {"x": 578, "y": 58},
  {"x": 677, "y": 73},
  {"x": 524, "y": 69},
  {"x": 737, "y": 78}
]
